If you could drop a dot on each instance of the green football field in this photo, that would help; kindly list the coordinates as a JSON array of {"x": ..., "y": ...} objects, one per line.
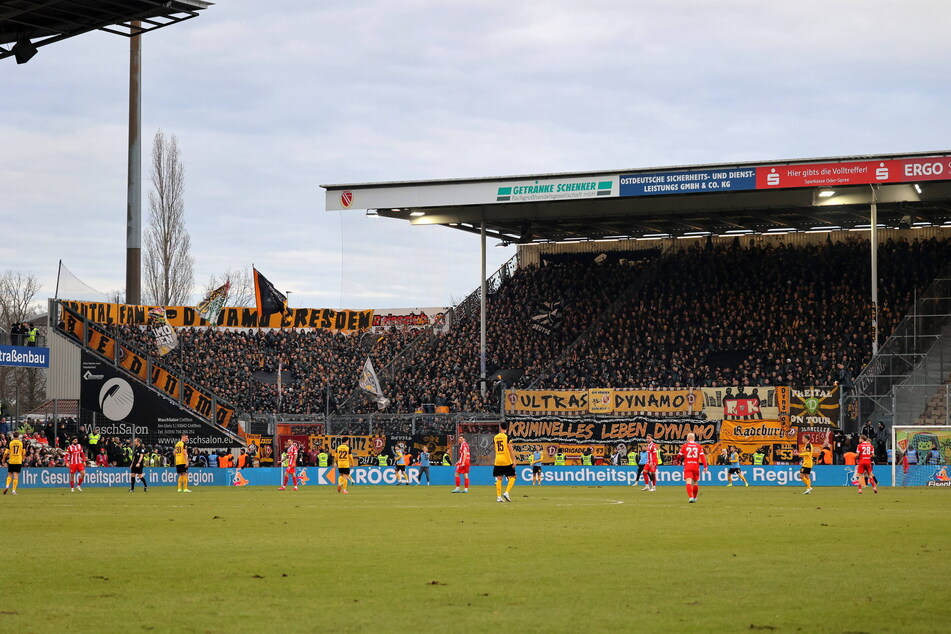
[{"x": 422, "y": 559}]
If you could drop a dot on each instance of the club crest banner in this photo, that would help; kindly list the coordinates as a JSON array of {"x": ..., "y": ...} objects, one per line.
[{"x": 814, "y": 406}]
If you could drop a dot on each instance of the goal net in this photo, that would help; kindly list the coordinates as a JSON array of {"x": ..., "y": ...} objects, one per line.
[{"x": 920, "y": 455}]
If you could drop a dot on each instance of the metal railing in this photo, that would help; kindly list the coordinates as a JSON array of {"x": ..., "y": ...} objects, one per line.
[
  {"x": 916, "y": 353},
  {"x": 908, "y": 409}
]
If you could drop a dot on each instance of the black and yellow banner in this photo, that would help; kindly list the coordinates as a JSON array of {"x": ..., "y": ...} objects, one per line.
[
  {"x": 229, "y": 317},
  {"x": 635, "y": 429},
  {"x": 603, "y": 401}
]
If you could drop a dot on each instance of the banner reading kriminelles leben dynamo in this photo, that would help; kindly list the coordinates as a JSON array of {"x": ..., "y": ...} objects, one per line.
[
  {"x": 633, "y": 429},
  {"x": 604, "y": 401},
  {"x": 229, "y": 317}
]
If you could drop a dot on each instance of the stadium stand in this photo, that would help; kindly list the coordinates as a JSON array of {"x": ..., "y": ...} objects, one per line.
[{"x": 707, "y": 315}]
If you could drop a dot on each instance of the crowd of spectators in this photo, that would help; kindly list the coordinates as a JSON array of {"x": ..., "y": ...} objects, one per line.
[
  {"x": 710, "y": 315},
  {"x": 731, "y": 316},
  {"x": 241, "y": 366}
]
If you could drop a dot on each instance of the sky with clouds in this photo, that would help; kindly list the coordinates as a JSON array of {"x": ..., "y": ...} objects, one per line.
[{"x": 270, "y": 100}]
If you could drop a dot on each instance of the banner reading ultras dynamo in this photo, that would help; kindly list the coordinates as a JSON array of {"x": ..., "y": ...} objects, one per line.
[
  {"x": 603, "y": 401},
  {"x": 633, "y": 429},
  {"x": 229, "y": 317}
]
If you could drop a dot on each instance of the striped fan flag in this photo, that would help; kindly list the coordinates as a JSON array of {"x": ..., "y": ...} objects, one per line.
[
  {"x": 209, "y": 307},
  {"x": 166, "y": 339},
  {"x": 269, "y": 300}
]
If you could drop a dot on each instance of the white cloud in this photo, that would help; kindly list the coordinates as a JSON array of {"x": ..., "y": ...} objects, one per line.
[{"x": 267, "y": 105}]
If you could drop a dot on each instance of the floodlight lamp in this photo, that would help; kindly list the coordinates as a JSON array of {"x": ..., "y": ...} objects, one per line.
[
  {"x": 23, "y": 50},
  {"x": 826, "y": 193}
]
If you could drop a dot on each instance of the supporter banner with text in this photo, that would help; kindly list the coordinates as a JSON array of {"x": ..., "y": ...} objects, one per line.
[
  {"x": 814, "y": 406},
  {"x": 759, "y": 431},
  {"x": 633, "y": 429},
  {"x": 603, "y": 401},
  {"x": 228, "y": 317},
  {"x": 411, "y": 319},
  {"x": 740, "y": 403}
]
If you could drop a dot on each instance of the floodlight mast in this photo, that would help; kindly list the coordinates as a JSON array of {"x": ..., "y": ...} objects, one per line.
[{"x": 133, "y": 262}]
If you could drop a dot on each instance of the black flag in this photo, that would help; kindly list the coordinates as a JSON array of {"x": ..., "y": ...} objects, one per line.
[
  {"x": 548, "y": 318},
  {"x": 269, "y": 299}
]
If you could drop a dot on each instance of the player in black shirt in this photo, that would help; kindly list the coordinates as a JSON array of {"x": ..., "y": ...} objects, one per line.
[{"x": 139, "y": 456}]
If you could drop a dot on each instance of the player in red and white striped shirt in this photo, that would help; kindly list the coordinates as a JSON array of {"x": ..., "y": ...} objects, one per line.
[
  {"x": 864, "y": 473},
  {"x": 462, "y": 467},
  {"x": 76, "y": 460},
  {"x": 291, "y": 466},
  {"x": 693, "y": 456}
]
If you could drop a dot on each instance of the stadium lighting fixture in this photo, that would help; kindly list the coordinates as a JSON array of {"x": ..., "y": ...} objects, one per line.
[
  {"x": 826, "y": 228},
  {"x": 656, "y": 235},
  {"x": 781, "y": 229},
  {"x": 736, "y": 232},
  {"x": 646, "y": 238},
  {"x": 23, "y": 51},
  {"x": 502, "y": 244},
  {"x": 373, "y": 213},
  {"x": 417, "y": 214},
  {"x": 917, "y": 188},
  {"x": 826, "y": 193},
  {"x": 695, "y": 234}
]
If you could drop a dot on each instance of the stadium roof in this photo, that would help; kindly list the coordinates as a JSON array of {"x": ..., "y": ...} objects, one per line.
[
  {"x": 29, "y": 24},
  {"x": 735, "y": 198}
]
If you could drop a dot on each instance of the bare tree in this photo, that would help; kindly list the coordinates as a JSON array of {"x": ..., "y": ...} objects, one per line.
[
  {"x": 17, "y": 305},
  {"x": 17, "y": 292},
  {"x": 242, "y": 286},
  {"x": 168, "y": 261}
]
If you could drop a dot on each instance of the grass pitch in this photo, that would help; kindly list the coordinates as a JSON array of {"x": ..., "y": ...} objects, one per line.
[{"x": 420, "y": 558}]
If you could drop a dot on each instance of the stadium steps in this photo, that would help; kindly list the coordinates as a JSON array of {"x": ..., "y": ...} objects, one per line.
[
  {"x": 119, "y": 343},
  {"x": 902, "y": 377}
]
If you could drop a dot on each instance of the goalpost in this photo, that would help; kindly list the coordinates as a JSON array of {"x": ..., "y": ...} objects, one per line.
[{"x": 920, "y": 455}]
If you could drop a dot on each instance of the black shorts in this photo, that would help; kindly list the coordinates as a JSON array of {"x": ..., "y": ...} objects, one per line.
[
  {"x": 503, "y": 470},
  {"x": 536, "y": 468},
  {"x": 344, "y": 471},
  {"x": 733, "y": 470},
  {"x": 401, "y": 467},
  {"x": 181, "y": 468},
  {"x": 805, "y": 470},
  {"x": 14, "y": 468},
  {"x": 138, "y": 470}
]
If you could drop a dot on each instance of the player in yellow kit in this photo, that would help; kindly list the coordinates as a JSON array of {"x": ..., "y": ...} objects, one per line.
[
  {"x": 805, "y": 471},
  {"x": 181, "y": 464},
  {"x": 504, "y": 463},
  {"x": 14, "y": 458},
  {"x": 344, "y": 460}
]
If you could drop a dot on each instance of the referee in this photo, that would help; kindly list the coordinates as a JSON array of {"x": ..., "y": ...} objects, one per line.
[{"x": 139, "y": 456}]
